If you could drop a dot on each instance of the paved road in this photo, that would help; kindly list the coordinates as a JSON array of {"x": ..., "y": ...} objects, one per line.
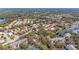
[
  {"x": 16, "y": 40},
  {"x": 70, "y": 47}
]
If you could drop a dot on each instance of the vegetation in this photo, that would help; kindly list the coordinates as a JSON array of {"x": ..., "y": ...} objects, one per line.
[
  {"x": 5, "y": 47},
  {"x": 23, "y": 45},
  {"x": 40, "y": 27}
]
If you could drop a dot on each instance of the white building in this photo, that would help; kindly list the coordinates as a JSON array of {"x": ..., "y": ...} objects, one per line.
[
  {"x": 62, "y": 39},
  {"x": 67, "y": 35}
]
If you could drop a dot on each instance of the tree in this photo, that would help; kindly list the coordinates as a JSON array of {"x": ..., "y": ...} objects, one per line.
[
  {"x": 5, "y": 47},
  {"x": 43, "y": 32},
  {"x": 23, "y": 45},
  {"x": 1, "y": 47},
  {"x": 59, "y": 44}
]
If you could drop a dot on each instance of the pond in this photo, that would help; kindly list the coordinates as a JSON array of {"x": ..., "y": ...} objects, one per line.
[
  {"x": 2, "y": 20},
  {"x": 75, "y": 26}
]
